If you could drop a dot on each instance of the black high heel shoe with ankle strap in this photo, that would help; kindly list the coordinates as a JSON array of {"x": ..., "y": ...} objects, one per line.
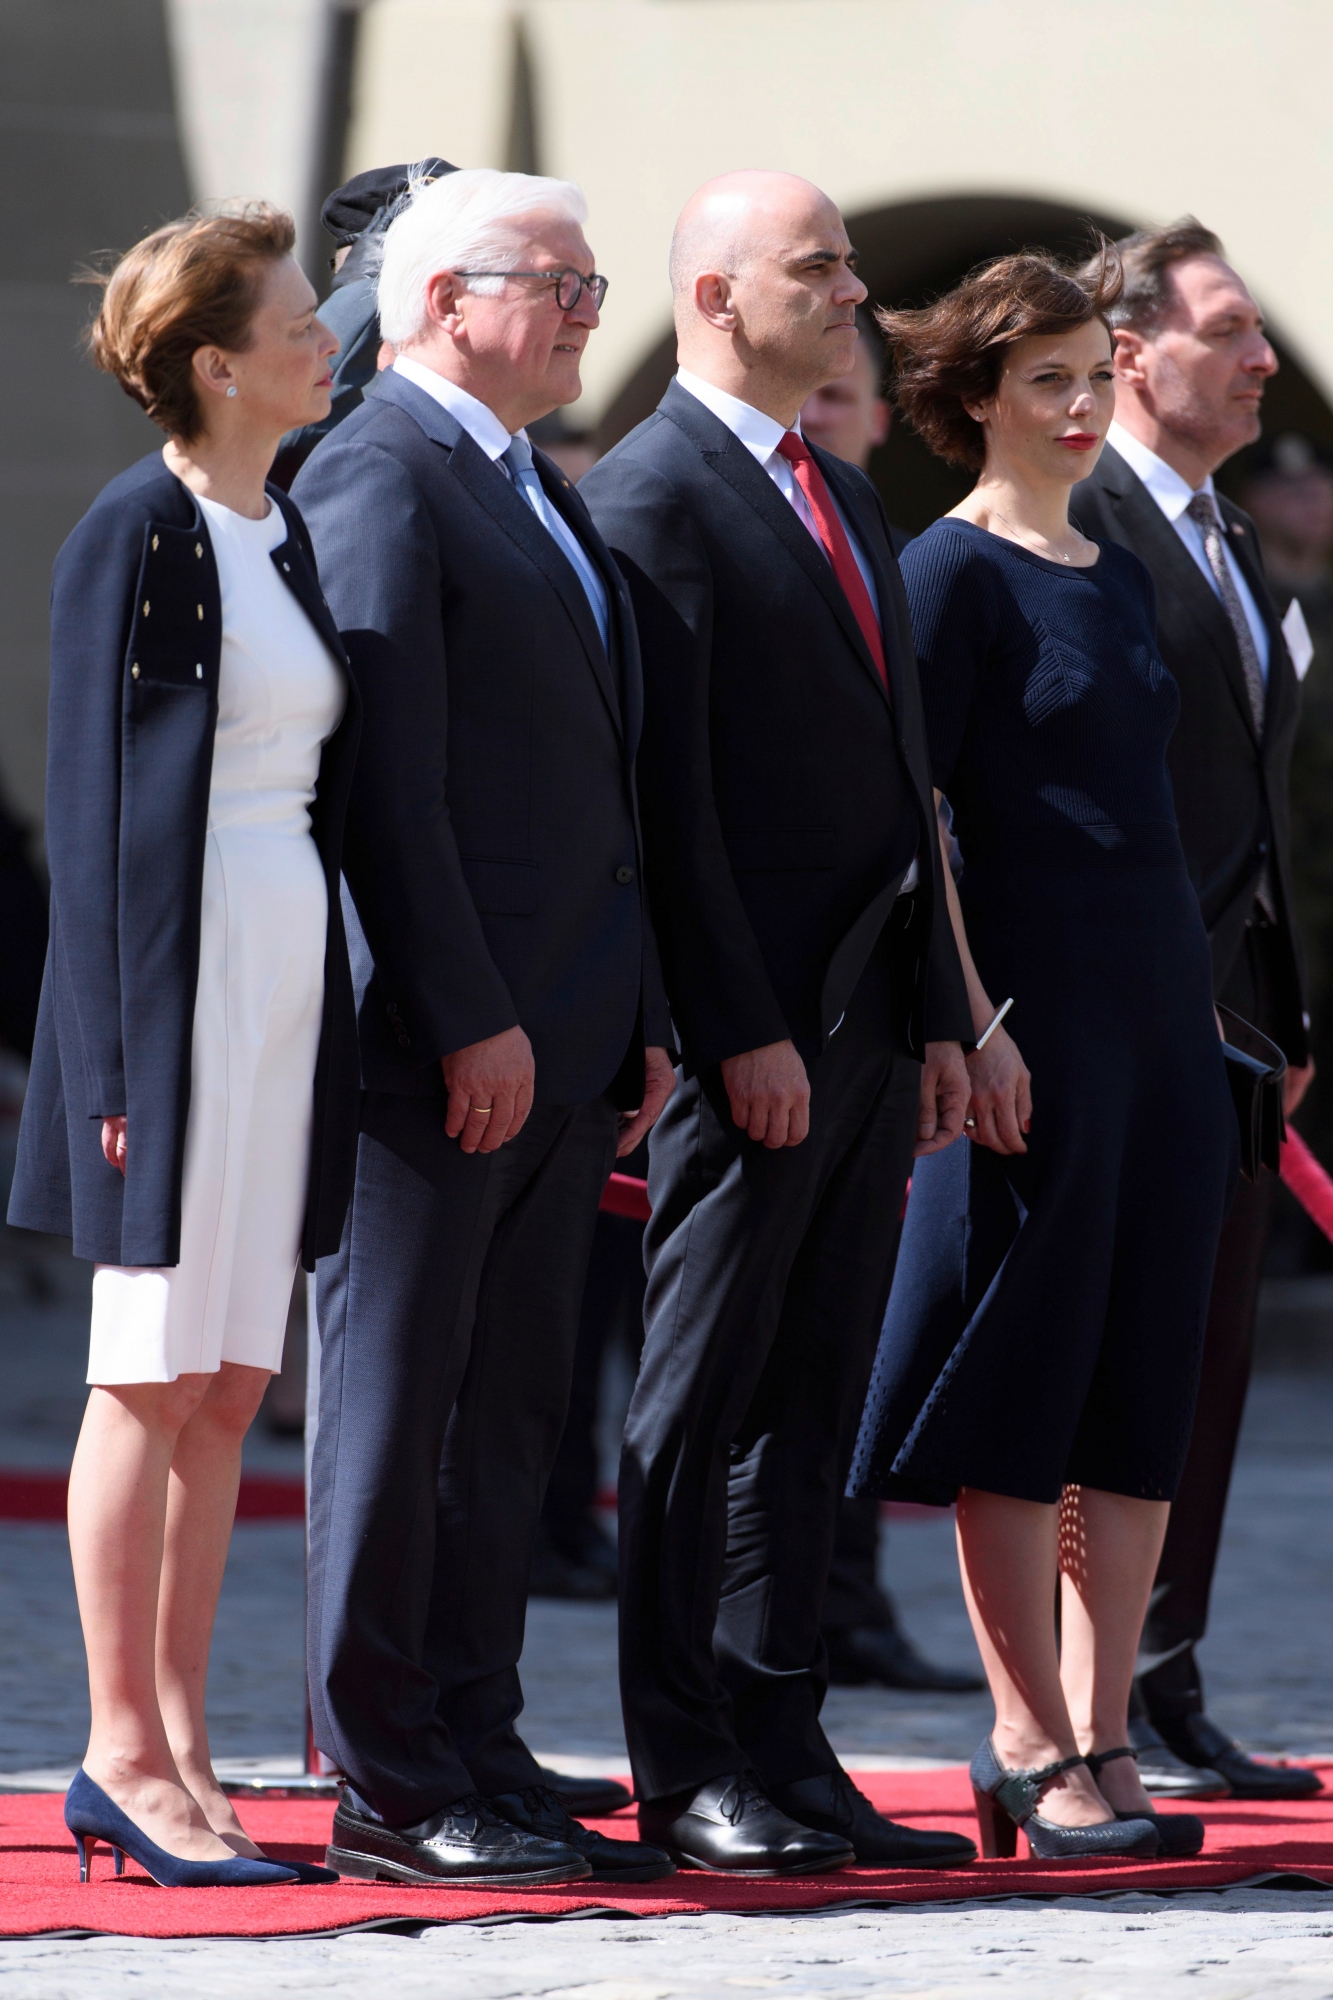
[
  {"x": 1180, "y": 1834},
  {"x": 1006, "y": 1800}
]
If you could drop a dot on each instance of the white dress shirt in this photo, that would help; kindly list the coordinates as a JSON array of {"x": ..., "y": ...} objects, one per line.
[
  {"x": 761, "y": 437},
  {"x": 485, "y": 429},
  {"x": 1173, "y": 495}
]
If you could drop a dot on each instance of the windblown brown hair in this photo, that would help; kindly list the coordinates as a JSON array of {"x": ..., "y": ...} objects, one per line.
[
  {"x": 952, "y": 351},
  {"x": 191, "y": 284}
]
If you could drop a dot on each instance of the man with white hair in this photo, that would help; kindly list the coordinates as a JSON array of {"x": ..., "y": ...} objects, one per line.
[
  {"x": 816, "y": 989},
  {"x": 514, "y": 1033}
]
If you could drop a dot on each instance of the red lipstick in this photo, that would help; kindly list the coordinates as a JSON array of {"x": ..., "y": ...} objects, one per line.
[{"x": 1080, "y": 441}]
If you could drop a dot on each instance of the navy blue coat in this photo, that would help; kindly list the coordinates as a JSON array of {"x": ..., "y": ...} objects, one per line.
[
  {"x": 492, "y": 841},
  {"x": 136, "y": 638}
]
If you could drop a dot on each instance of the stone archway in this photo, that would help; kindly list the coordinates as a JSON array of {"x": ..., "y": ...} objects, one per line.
[{"x": 910, "y": 252}]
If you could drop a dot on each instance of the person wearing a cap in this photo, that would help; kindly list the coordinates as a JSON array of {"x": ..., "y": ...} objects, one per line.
[
  {"x": 355, "y": 218},
  {"x": 1191, "y": 364}
]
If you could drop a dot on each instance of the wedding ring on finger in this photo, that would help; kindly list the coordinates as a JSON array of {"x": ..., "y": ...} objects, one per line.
[{"x": 482, "y": 1110}]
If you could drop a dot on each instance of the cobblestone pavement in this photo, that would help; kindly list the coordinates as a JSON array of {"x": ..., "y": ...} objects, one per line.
[{"x": 1266, "y": 1662}]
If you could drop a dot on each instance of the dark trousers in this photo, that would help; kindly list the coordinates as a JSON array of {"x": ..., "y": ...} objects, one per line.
[
  {"x": 612, "y": 1310},
  {"x": 852, "y": 1596},
  {"x": 1168, "y": 1682},
  {"x": 768, "y": 1274},
  {"x": 447, "y": 1320}
]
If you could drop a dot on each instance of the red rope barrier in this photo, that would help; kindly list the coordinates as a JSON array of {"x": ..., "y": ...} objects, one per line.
[
  {"x": 1307, "y": 1180},
  {"x": 623, "y": 1195}
]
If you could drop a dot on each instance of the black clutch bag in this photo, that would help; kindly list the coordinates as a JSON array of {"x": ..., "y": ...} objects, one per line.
[{"x": 1255, "y": 1069}]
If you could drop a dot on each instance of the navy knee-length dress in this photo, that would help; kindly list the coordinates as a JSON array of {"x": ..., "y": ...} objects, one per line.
[{"x": 1047, "y": 1314}]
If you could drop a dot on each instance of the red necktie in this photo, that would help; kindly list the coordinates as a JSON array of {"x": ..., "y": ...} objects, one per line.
[{"x": 834, "y": 537}]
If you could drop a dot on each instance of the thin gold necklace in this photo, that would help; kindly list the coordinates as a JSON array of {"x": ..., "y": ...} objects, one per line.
[{"x": 1022, "y": 544}]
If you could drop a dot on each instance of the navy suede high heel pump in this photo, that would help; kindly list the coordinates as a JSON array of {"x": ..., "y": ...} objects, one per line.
[
  {"x": 91, "y": 1816},
  {"x": 1006, "y": 1800}
]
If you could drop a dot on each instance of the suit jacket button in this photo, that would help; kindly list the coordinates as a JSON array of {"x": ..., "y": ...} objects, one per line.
[
  {"x": 404, "y": 1041},
  {"x": 199, "y": 673},
  {"x": 134, "y": 671},
  {"x": 146, "y": 607},
  {"x": 199, "y": 550},
  {"x": 198, "y": 607},
  {"x": 287, "y": 568},
  {"x": 624, "y": 875}
]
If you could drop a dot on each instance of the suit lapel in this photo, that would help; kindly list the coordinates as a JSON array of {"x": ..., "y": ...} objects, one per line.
[
  {"x": 1172, "y": 565},
  {"x": 1282, "y": 680},
  {"x": 727, "y": 456},
  {"x": 564, "y": 497},
  {"x": 494, "y": 491}
]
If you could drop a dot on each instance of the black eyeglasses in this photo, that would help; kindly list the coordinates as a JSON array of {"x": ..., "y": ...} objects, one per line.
[{"x": 569, "y": 285}]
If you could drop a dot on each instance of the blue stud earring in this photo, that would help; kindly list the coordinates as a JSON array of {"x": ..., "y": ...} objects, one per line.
[{"x": 232, "y": 390}]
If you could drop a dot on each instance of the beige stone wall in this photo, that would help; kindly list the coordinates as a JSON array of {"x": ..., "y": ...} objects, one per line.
[{"x": 1142, "y": 109}]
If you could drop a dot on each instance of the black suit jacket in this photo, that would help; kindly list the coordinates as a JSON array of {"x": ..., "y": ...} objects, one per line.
[
  {"x": 136, "y": 639},
  {"x": 785, "y": 792},
  {"x": 493, "y": 843},
  {"x": 1231, "y": 790}
]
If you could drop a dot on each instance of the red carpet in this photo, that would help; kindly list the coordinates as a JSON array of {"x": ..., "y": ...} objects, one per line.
[
  {"x": 40, "y": 1890},
  {"x": 40, "y": 1496}
]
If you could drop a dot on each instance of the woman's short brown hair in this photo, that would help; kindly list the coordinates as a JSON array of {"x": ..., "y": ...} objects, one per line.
[
  {"x": 193, "y": 283},
  {"x": 952, "y": 351}
]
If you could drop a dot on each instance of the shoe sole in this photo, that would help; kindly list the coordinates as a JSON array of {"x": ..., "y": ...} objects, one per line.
[
  {"x": 657, "y": 1873},
  {"x": 374, "y": 1868},
  {"x": 821, "y": 1867},
  {"x": 934, "y": 1861}
]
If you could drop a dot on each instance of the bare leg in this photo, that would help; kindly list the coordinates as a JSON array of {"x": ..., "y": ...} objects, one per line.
[
  {"x": 1109, "y": 1546},
  {"x": 1007, "y": 1551},
  {"x": 117, "y": 1516},
  {"x": 201, "y": 1506}
]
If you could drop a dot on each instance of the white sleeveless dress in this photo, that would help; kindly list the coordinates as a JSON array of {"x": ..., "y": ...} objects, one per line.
[{"x": 260, "y": 996}]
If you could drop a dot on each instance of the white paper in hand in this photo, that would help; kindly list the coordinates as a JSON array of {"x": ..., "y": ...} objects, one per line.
[{"x": 1297, "y": 635}]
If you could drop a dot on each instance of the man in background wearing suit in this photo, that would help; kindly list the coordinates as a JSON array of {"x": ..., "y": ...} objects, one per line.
[
  {"x": 513, "y": 1027},
  {"x": 850, "y": 416},
  {"x": 794, "y": 874},
  {"x": 1191, "y": 364}
]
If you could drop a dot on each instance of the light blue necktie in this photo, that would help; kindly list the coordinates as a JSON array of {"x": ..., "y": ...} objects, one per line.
[{"x": 517, "y": 461}]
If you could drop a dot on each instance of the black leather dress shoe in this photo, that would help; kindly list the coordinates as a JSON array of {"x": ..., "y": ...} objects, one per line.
[
  {"x": 733, "y": 1828},
  {"x": 1198, "y": 1741},
  {"x": 864, "y": 1654},
  {"x": 587, "y": 1798},
  {"x": 1164, "y": 1774},
  {"x": 465, "y": 1845},
  {"x": 833, "y": 1805},
  {"x": 540, "y": 1811}
]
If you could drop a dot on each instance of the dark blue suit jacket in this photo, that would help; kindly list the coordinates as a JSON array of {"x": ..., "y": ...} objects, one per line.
[
  {"x": 493, "y": 845},
  {"x": 785, "y": 790},
  {"x": 136, "y": 638}
]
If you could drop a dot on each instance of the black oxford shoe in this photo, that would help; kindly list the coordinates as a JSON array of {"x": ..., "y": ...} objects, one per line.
[
  {"x": 832, "y": 1804},
  {"x": 733, "y": 1828},
  {"x": 865, "y": 1655},
  {"x": 586, "y": 1798},
  {"x": 1198, "y": 1741},
  {"x": 538, "y": 1810},
  {"x": 465, "y": 1845},
  {"x": 1167, "y": 1776}
]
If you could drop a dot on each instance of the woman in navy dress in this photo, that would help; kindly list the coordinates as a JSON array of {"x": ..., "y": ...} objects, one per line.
[{"x": 1041, "y": 1348}]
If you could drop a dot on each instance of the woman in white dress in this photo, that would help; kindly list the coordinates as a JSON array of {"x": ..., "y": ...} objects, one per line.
[{"x": 191, "y": 1115}]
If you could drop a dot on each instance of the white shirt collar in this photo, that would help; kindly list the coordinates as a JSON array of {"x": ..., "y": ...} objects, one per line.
[
  {"x": 477, "y": 418},
  {"x": 1172, "y": 493},
  {"x": 760, "y": 435}
]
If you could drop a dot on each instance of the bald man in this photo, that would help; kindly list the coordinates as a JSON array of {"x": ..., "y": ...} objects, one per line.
[{"x": 793, "y": 871}]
